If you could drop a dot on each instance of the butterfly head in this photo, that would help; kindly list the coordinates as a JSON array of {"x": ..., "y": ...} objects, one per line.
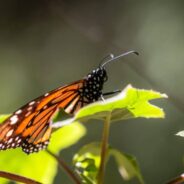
[
  {"x": 98, "y": 75},
  {"x": 95, "y": 80}
]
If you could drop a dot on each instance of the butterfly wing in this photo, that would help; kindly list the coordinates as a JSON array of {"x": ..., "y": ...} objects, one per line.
[{"x": 30, "y": 126}]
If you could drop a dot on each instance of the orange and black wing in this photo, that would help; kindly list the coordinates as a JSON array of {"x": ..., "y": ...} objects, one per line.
[{"x": 30, "y": 126}]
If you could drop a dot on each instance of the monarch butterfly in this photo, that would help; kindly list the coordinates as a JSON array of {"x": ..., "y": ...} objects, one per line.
[{"x": 30, "y": 126}]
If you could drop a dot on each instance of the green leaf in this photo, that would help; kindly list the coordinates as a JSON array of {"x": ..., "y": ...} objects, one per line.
[
  {"x": 180, "y": 133},
  {"x": 87, "y": 163},
  {"x": 127, "y": 165},
  {"x": 62, "y": 138},
  {"x": 130, "y": 103},
  {"x": 40, "y": 166},
  {"x": 3, "y": 117}
]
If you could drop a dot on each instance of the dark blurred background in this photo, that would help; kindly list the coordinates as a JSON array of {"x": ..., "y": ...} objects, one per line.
[{"x": 45, "y": 44}]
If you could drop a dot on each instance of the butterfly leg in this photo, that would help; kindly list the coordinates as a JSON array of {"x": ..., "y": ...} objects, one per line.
[
  {"x": 111, "y": 92},
  {"x": 103, "y": 99}
]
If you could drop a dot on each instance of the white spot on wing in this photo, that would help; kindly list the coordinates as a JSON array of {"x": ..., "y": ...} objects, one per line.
[
  {"x": 31, "y": 103},
  {"x": 18, "y": 112},
  {"x": 13, "y": 119},
  {"x": 10, "y": 140},
  {"x": 46, "y": 94},
  {"x": 27, "y": 114},
  {"x": 29, "y": 108},
  {"x": 9, "y": 133},
  {"x": 19, "y": 141},
  {"x": 17, "y": 138}
]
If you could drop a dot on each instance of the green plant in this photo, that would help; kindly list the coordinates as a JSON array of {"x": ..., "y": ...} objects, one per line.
[{"x": 90, "y": 161}]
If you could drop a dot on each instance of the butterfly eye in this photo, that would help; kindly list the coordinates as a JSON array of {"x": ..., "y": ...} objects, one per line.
[{"x": 103, "y": 74}]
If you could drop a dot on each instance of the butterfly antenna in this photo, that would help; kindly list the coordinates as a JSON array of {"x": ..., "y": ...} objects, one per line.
[
  {"x": 106, "y": 58},
  {"x": 114, "y": 58}
]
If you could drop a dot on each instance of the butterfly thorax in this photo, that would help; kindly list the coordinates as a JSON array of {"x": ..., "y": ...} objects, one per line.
[{"x": 93, "y": 84}]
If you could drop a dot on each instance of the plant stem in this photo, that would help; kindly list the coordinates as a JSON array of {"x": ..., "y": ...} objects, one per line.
[
  {"x": 17, "y": 178},
  {"x": 64, "y": 166},
  {"x": 104, "y": 150}
]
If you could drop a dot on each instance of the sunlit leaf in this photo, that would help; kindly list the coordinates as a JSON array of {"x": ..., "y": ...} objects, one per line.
[
  {"x": 130, "y": 103},
  {"x": 3, "y": 117},
  {"x": 181, "y": 134},
  {"x": 62, "y": 138},
  {"x": 87, "y": 163}
]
